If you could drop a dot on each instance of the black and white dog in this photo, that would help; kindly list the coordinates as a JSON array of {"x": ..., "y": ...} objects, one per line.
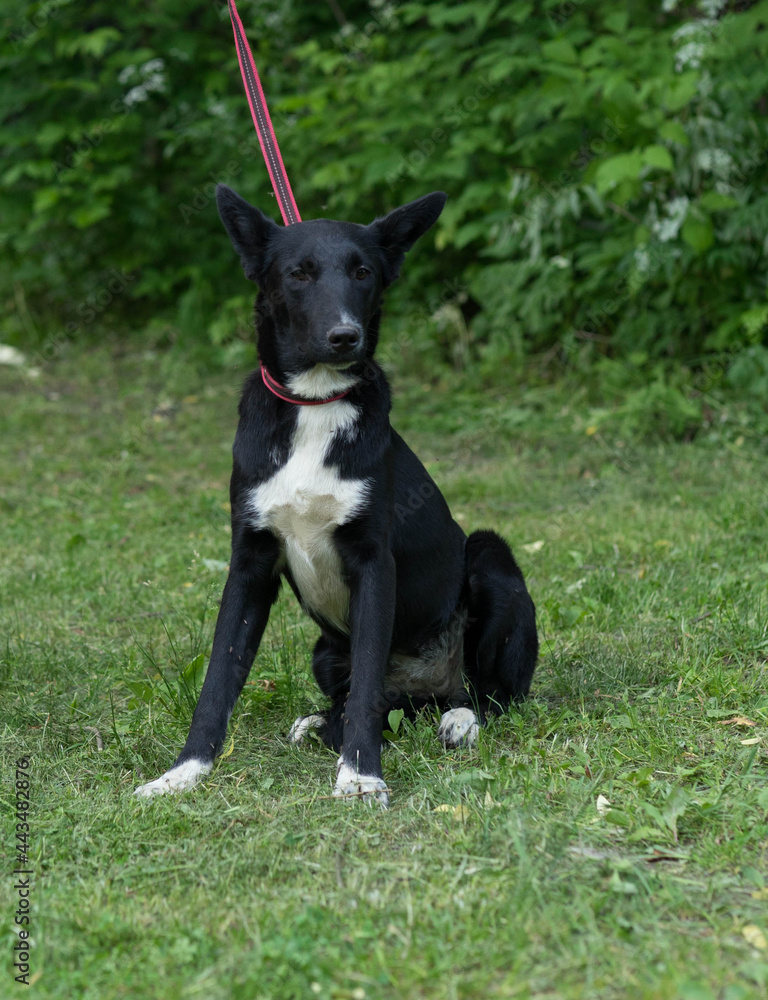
[{"x": 411, "y": 611}]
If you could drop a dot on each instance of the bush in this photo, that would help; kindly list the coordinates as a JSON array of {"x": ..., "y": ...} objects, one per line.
[{"x": 607, "y": 167}]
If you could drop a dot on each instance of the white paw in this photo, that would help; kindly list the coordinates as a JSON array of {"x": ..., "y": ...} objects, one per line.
[
  {"x": 352, "y": 786},
  {"x": 458, "y": 727},
  {"x": 178, "y": 779},
  {"x": 303, "y": 725}
]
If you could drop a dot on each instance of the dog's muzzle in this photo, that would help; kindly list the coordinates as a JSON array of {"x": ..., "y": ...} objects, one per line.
[{"x": 344, "y": 339}]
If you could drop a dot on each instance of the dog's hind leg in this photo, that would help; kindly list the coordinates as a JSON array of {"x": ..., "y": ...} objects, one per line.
[
  {"x": 458, "y": 727},
  {"x": 500, "y": 644},
  {"x": 331, "y": 666},
  {"x": 306, "y": 724}
]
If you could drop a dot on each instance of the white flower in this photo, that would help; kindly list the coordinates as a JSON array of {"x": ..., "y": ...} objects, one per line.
[
  {"x": 711, "y": 8},
  {"x": 154, "y": 81},
  {"x": 689, "y": 55},
  {"x": 11, "y": 356},
  {"x": 715, "y": 161},
  {"x": 642, "y": 260},
  {"x": 152, "y": 66},
  {"x": 667, "y": 229}
]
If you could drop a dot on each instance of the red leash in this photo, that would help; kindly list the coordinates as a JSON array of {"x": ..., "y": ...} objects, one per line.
[
  {"x": 277, "y": 174},
  {"x": 262, "y": 121}
]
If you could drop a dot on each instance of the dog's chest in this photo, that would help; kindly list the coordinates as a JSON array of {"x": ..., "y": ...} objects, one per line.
[{"x": 305, "y": 501}]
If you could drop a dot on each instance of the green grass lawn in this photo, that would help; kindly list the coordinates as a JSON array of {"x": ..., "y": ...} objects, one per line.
[{"x": 494, "y": 874}]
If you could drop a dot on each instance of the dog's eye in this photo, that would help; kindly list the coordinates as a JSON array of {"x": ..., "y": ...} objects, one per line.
[
  {"x": 362, "y": 272},
  {"x": 299, "y": 274}
]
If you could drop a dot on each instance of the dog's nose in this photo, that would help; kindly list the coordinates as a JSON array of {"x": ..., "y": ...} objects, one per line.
[{"x": 344, "y": 338}]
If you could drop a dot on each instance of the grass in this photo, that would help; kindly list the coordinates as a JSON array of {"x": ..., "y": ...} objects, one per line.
[{"x": 494, "y": 874}]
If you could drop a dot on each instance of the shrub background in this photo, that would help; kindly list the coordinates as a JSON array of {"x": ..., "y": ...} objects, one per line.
[{"x": 607, "y": 167}]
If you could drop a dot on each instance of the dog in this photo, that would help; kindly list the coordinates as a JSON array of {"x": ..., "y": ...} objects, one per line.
[{"x": 325, "y": 493}]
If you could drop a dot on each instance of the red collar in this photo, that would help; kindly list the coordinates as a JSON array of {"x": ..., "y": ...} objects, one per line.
[{"x": 290, "y": 397}]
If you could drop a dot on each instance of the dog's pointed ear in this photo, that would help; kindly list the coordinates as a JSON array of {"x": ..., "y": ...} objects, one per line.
[
  {"x": 397, "y": 232},
  {"x": 249, "y": 230}
]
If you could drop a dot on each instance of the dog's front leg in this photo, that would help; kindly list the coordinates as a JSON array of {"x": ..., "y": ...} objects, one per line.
[
  {"x": 249, "y": 593},
  {"x": 371, "y": 576}
]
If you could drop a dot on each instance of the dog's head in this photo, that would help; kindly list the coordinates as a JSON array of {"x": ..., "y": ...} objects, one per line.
[{"x": 320, "y": 282}]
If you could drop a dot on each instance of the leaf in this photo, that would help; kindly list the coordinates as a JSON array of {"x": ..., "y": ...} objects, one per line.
[
  {"x": 50, "y": 134},
  {"x": 640, "y": 776},
  {"x": 473, "y": 776},
  {"x": 737, "y": 720},
  {"x": 754, "y": 321},
  {"x": 532, "y": 547},
  {"x": 192, "y": 670},
  {"x": 699, "y": 234},
  {"x": 674, "y": 807},
  {"x": 231, "y": 745},
  {"x": 88, "y": 215},
  {"x": 520, "y": 11},
  {"x": 440, "y": 15},
  {"x": 560, "y": 50},
  {"x": 616, "y": 21},
  {"x": 45, "y": 198},
  {"x": 713, "y": 201},
  {"x": 646, "y": 833},
  {"x": 620, "y": 722},
  {"x": 673, "y": 131},
  {"x": 671, "y": 810},
  {"x": 658, "y": 157},
  {"x": 394, "y": 719},
  {"x": 460, "y": 813},
  {"x": 753, "y": 935},
  {"x": 751, "y": 742},
  {"x": 94, "y": 43},
  {"x": 681, "y": 91},
  {"x": 617, "y": 817},
  {"x": 625, "y": 166},
  {"x": 617, "y": 884},
  {"x": 142, "y": 690},
  {"x": 602, "y": 805}
]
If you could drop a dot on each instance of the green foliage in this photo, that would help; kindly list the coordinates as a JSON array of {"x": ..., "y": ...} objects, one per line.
[{"x": 607, "y": 168}]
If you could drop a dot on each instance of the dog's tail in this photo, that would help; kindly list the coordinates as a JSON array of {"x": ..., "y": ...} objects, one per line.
[{"x": 500, "y": 643}]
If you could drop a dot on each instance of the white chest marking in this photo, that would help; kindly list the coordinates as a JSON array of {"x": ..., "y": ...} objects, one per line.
[
  {"x": 303, "y": 504},
  {"x": 321, "y": 381}
]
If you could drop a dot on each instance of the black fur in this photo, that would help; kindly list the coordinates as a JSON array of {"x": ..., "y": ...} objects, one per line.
[{"x": 408, "y": 567}]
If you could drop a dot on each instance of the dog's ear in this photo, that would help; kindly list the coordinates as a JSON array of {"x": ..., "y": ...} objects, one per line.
[
  {"x": 397, "y": 232},
  {"x": 249, "y": 229}
]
